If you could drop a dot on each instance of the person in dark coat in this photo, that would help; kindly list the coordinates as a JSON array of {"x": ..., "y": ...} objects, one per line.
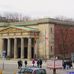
[
  {"x": 64, "y": 65},
  {"x": 19, "y": 64},
  {"x": 40, "y": 62},
  {"x": 70, "y": 64},
  {"x": 25, "y": 62}
]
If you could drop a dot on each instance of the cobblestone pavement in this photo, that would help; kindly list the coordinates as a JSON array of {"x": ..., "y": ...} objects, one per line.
[{"x": 10, "y": 66}]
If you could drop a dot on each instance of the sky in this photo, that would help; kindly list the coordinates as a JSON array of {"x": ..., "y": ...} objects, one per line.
[{"x": 39, "y": 8}]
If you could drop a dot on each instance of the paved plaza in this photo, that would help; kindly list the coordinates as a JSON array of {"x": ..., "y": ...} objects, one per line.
[{"x": 10, "y": 66}]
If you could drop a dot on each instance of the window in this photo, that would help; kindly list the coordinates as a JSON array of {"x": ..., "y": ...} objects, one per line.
[
  {"x": 51, "y": 29},
  {"x": 51, "y": 48}
]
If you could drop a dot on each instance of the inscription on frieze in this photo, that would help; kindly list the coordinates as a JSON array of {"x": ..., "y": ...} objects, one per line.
[
  {"x": 5, "y": 34},
  {"x": 18, "y": 34},
  {"x": 25, "y": 33},
  {"x": 11, "y": 34}
]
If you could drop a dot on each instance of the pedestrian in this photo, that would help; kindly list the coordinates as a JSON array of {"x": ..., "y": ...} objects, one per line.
[
  {"x": 70, "y": 64},
  {"x": 4, "y": 54},
  {"x": 25, "y": 62},
  {"x": 64, "y": 65},
  {"x": 19, "y": 64},
  {"x": 67, "y": 65},
  {"x": 38, "y": 63},
  {"x": 33, "y": 62}
]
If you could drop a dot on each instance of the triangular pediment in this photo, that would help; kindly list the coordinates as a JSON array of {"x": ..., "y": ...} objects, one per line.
[{"x": 13, "y": 30}]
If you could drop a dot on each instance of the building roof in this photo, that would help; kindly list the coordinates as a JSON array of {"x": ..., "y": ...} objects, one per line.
[
  {"x": 27, "y": 28},
  {"x": 39, "y": 21},
  {"x": 22, "y": 28}
]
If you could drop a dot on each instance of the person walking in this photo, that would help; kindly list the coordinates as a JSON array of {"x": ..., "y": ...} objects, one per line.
[
  {"x": 38, "y": 63},
  {"x": 33, "y": 62},
  {"x": 25, "y": 62},
  {"x": 19, "y": 64}
]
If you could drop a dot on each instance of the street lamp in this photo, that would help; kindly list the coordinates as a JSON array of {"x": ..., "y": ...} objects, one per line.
[
  {"x": 3, "y": 57},
  {"x": 54, "y": 69}
]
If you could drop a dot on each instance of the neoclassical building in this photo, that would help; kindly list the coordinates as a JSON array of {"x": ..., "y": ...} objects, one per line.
[{"x": 42, "y": 38}]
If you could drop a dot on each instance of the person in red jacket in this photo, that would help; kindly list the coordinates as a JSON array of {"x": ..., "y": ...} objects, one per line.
[{"x": 33, "y": 62}]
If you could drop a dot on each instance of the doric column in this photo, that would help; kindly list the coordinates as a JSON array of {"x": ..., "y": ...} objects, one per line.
[
  {"x": 8, "y": 47},
  {"x": 22, "y": 48},
  {"x": 29, "y": 48},
  {"x": 15, "y": 48}
]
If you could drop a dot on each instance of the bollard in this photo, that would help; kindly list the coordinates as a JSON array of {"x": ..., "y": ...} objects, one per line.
[{"x": 0, "y": 71}]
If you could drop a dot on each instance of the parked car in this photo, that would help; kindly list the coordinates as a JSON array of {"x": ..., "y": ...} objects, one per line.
[{"x": 31, "y": 70}]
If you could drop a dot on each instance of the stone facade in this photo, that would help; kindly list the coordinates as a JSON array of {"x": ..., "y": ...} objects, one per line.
[{"x": 43, "y": 38}]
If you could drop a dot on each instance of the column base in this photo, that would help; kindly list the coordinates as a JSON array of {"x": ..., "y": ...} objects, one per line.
[
  {"x": 15, "y": 57},
  {"x": 22, "y": 57}
]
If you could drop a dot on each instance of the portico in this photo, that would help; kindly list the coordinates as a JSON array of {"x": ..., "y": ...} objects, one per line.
[{"x": 19, "y": 43}]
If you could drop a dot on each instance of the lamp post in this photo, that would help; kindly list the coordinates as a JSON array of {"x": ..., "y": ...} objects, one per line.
[
  {"x": 54, "y": 69},
  {"x": 3, "y": 57}
]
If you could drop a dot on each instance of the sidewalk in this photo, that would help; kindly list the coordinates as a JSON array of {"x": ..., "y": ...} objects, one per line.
[
  {"x": 11, "y": 66},
  {"x": 15, "y": 62},
  {"x": 29, "y": 62}
]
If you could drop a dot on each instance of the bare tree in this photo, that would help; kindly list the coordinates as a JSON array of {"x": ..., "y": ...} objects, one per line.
[
  {"x": 13, "y": 17},
  {"x": 63, "y": 18}
]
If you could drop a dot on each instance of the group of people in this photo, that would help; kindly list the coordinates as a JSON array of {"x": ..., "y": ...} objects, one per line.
[
  {"x": 67, "y": 64},
  {"x": 20, "y": 63},
  {"x": 38, "y": 62}
]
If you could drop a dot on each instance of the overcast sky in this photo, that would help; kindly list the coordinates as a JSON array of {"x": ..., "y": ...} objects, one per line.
[{"x": 39, "y": 8}]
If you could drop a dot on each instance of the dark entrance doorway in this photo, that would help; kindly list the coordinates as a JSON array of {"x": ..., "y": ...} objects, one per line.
[
  {"x": 18, "y": 48},
  {"x": 25, "y": 52},
  {"x": 19, "y": 52},
  {"x": 32, "y": 52},
  {"x": 5, "y": 45},
  {"x": 12, "y": 48},
  {"x": 26, "y": 48}
]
